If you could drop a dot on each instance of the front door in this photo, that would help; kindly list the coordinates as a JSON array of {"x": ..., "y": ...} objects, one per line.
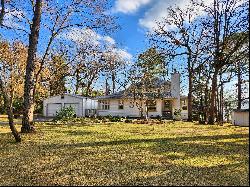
[{"x": 167, "y": 109}]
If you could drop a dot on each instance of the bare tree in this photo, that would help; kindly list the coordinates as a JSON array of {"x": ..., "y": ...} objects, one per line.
[
  {"x": 224, "y": 18},
  {"x": 179, "y": 34},
  {"x": 56, "y": 19}
]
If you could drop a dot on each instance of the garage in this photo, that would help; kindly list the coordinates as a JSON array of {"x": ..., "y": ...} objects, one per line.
[
  {"x": 80, "y": 104},
  {"x": 52, "y": 108}
]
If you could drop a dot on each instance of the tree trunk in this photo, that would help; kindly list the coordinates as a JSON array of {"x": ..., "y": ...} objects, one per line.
[
  {"x": 205, "y": 108},
  {"x": 77, "y": 81},
  {"x": 27, "y": 122},
  {"x": 190, "y": 90},
  {"x": 239, "y": 86},
  {"x": 221, "y": 104},
  {"x": 213, "y": 98},
  {"x": 217, "y": 106},
  {"x": 8, "y": 106},
  {"x": 2, "y": 12},
  {"x": 113, "y": 82}
]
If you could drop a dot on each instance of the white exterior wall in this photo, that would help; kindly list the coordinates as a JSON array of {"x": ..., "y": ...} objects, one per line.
[
  {"x": 67, "y": 99},
  {"x": 184, "y": 113},
  {"x": 240, "y": 118},
  {"x": 83, "y": 103},
  {"x": 89, "y": 104},
  {"x": 128, "y": 110}
]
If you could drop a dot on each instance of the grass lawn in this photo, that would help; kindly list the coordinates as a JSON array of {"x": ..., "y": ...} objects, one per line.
[{"x": 177, "y": 153}]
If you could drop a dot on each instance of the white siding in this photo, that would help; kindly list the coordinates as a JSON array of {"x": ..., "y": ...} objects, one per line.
[
  {"x": 240, "y": 118},
  {"x": 89, "y": 104},
  {"x": 67, "y": 99},
  {"x": 79, "y": 103},
  {"x": 184, "y": 113},
  {"x": 128, "y": 110},
  {"x": 53, "y": 108}
]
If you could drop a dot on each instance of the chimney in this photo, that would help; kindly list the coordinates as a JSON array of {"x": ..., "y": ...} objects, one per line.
[
  {"x": 175, "y": 84},
  {"x": 175, "y": 90}
]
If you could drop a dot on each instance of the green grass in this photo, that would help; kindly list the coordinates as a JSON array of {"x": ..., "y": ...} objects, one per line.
[
  {"x": 4, "y": 118},
  {"x": 126, "y": 154}
]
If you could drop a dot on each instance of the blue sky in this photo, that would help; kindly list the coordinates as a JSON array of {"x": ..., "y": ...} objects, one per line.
[{"x": 136, "y": 18}]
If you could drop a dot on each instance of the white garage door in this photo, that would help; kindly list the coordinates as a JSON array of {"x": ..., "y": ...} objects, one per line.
[
  {"x": 75, "y": 107},
  {"x": 52, "y": 108}
]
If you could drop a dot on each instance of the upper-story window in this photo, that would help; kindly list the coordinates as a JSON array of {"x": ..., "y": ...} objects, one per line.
[
  {"x": 104, "y": 105},
  {"x": 120, "y": 105}
]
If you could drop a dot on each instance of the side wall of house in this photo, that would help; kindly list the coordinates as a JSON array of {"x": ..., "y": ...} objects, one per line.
[
  {"x": 89, "y": 104},
  {"x": 66, "y": 100},
  {"x": 130, "y": 109}
]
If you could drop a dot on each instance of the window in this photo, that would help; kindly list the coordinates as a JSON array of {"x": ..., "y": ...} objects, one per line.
[
  {"x": 184, "y": 108},
  {"x": 151, "y": 105},
  {"x": 104, "y": 105},
  {"x": 167, "y": 105},
  {"x": 120, "y": 105}
]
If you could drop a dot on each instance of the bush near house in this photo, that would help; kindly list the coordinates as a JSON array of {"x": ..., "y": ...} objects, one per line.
[{"x": 65, "y": 113}]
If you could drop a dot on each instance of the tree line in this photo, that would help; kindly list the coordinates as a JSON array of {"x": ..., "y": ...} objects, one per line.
[
  {"x": 211, "y": 40},
  {"x": 214, "y": 41}
]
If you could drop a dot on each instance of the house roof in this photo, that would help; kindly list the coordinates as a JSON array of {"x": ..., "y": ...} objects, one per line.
[
  {"x": 118, "y": 95},
  {"x": 121, "y": 95}
]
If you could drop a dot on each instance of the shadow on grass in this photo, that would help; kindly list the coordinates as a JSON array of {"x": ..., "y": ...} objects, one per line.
[
  {"x": 163, "y": 141},
  {"x": 102, "y": 163}
]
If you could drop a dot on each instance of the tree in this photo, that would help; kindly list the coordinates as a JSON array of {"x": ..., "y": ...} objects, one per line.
[
  {"x": 180, "y": 34},
  {"x": 147, "y": 80},
  {"x": 2, "y": 11},
  {"x": 30, "y": 68},
  {"x": 115, "y": 65},
  {"x": 58, "y": 70},
  {"x": 10, "y": 62},
  {"x": 57, "y": 18},
  {"x": 223, "y": 19}
]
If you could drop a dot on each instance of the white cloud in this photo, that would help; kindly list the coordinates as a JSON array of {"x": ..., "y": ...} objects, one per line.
[
  {"x": 124, "y": 54},
  {"x": 109, "y": 40},
  {"x": 129, "y": 6},
  {"x": 91, "y": 37},
  {"x": 159, "y": 10},
  {"x": 13, "y": 18},
  {"x": 82, "y": 36}
]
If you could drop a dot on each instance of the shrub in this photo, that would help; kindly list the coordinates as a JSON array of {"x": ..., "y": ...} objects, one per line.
[
  {"x": 177, "y": 114},
  {"x": 65, "y": 113},
  {"x": 128, "y": 121},
  {"x": 115, "y": 119}
]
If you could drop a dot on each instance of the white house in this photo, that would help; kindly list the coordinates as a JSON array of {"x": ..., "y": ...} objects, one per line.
[
  {"x": 240, "y": 117},
  {"x": 83, "y": 106},
  {"x": 119, "y": 105}
]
